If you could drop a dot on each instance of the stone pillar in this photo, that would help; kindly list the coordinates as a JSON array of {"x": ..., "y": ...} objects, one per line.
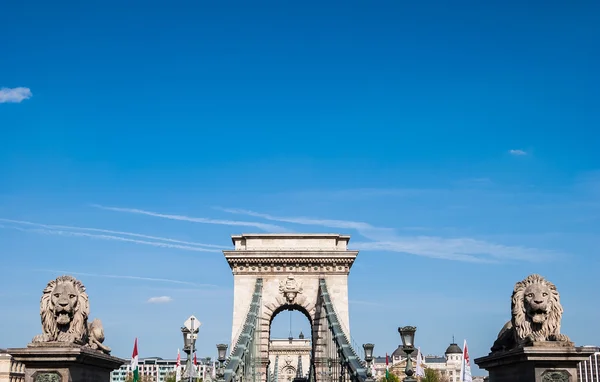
[
  {"x": 59, "y": 362},
  {"x": 546, "y": 361}
]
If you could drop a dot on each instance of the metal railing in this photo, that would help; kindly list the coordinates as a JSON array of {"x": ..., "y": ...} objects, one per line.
[
  {"x": 240, "y": 363},
  {"x": 354, "y": 365}
]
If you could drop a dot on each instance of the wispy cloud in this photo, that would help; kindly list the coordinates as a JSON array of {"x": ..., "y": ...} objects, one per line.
[
  {"x": 14, "y": 95},
  {"x": 127, "y": 277},
  {"x": 110, "y": 237},
  {"x": 365, "y": 229},
  {"x": 263, "y": 226},
  {"x": 55, "y": 226},
  {"x": 159, "y": 300},
  {"x": 387, "y": 239},
  {"x": 517, "y": 152}
]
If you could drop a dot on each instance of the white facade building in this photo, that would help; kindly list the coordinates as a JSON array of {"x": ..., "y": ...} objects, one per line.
[
  {"x": 292, "y": 357},
  {"x": 157, "y": 368},
  {"x": 589, "y": 371},
  {"x": 10, "y": 370},
  {"x": 448, "y": 365}
]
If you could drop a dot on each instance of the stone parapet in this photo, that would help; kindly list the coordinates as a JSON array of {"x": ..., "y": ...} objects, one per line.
[
  {"x": 545, "y": 361},
  {"x": 58, "y": 362}
]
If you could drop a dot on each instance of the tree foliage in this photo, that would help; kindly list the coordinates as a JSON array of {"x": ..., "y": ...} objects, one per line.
[
  {"x": 431, "y": 376},
  {"x": 170, "y": 377},
  {"x": 392, "y": 378},
  {"x": 143, "y": 378}
]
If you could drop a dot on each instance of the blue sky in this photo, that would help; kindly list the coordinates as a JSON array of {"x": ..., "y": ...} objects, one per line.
[{"x": 455, "y": 142}]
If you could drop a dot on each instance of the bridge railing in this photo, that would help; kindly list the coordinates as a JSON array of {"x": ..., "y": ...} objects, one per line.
[
  {"x": 356, "y": 366},
  {"x": 241, "y": 358}
]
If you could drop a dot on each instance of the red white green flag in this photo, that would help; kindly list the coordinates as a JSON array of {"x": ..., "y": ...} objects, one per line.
[
  {"x": 134, "y": 363},
  {"x": 178, "y": 368},
  {"x": 465, "y": 367},
  {"x": 387, "y": 367}
]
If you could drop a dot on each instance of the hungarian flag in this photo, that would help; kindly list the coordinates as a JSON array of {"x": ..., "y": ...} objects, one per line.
[
  {"x": 178, "y": 367},
  {"x": 465, "y": 367},
  {"x": 387, "y": 367},
  {"x": 134, "y": 363},
  {"x": 420, "y": 370}
]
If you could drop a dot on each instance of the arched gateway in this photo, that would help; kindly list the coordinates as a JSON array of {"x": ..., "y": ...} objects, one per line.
[{"x": 304, "y": 272}]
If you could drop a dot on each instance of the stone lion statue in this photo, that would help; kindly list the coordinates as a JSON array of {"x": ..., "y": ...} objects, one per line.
[
  {"x": 64, "y": 310},
  {"x": 536, "y": 315}
]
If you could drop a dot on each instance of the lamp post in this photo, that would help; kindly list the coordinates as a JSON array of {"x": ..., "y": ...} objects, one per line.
[
  {"x": 190, "y": 333},
  {"x": 369, "y": 358},
  {"x": 221, "y": 356},
  {"x": 407, "y": 335}
]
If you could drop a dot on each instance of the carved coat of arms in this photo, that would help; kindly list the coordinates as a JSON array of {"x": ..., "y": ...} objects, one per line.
[{"x": 290, "y": 288}]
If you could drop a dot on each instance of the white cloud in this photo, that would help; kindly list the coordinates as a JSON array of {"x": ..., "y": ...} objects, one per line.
[
  {"x": 263, "y": 226},
  {"x": 111, "y": 237},
  {"x": 387, "y": 239},
  {"x": 128, "y": 277},
  {"x": 14, "y": 95},
  {"x": 159, "y": 300},
  {"x": 517, "y": 152},
  {"x": 54, "y": 226},
  {"x": 366, "y": 229}
]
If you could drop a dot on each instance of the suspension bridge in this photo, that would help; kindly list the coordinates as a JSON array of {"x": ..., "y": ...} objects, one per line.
[{"x": 304, "y": 272}]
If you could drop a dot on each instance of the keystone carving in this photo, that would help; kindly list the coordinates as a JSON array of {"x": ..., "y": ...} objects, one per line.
[{"x": 290, "y": 288}]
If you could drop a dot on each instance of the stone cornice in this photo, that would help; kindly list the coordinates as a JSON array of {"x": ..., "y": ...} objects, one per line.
[
  {"x": 289, "y": 352},
  {"x": 299, "y": 253},
  {"x": 275, "y": 261}
]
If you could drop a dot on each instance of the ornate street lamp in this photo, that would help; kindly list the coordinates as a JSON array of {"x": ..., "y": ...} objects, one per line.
[
  {"x": 222, "y": 352},
  {"x": 221, "y": 357},
  {"x": 368, "y": 352},
  {"x": 190, "y": 333},
  {"x": 369, "y": 358},
  {"x": 407, "y": 335}
]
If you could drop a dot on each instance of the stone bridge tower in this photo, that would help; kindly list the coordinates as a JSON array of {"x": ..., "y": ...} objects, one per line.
[{"x": 290, "y": 266}]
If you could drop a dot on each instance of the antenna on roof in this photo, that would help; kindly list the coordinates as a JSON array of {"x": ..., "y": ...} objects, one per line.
[{"x": 453, "y": 339}]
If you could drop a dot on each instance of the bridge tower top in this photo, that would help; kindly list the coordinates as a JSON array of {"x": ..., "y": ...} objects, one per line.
[
  {"x": 290, "y": 241},
  {"x": 290, "y": 265}
]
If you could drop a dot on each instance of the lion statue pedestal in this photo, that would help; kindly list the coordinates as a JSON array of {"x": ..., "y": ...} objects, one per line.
[
  {"x": 69, "y": 349},
  {"x": 530, "y": 347}
]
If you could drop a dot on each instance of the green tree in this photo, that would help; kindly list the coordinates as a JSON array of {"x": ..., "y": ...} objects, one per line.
[
  {"x": 143, "y": 378},
  {"x": 431, "y": 376},
  {"x": 170, "y": 377},
  {"x": 392, "y": 378}
]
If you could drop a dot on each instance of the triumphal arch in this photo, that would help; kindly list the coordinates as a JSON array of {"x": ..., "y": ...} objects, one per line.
[{"x": 303, "y": 272}]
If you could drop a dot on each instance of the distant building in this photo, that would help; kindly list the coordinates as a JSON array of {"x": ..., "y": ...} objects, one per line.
[
  {"x": 10, "y": 370},
  {"x": 589, "y": 371},
  {"x": 291, "y": 356},
  {"x": 157, "y": 368},
  {"x": 448, "y": 365}
]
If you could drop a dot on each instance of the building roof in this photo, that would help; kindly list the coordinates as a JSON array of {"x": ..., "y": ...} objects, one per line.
[
  {"x": 453, "y": 349},
  {"x": 399, "y": 352},
  {"x": 434, "y": 359}
]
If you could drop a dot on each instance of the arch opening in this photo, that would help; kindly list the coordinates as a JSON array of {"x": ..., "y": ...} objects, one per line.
[{"x": 290, "y": 342}]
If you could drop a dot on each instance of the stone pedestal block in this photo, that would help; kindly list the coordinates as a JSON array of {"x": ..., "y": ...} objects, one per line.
[
  {"x": 540, "y": 362},
  {"x": 54, "y": 362}
]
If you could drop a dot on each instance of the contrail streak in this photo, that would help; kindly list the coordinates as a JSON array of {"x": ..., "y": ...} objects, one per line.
[
  {"x": 54, "y": 226},
  {"x": 263, "y": 226},
  {"x": 110, "y": 237}
]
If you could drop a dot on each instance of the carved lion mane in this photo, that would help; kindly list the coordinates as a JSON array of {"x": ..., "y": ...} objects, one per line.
[
  {"x": 64, "y": 310},
  {"x": 536, "y": 315}
]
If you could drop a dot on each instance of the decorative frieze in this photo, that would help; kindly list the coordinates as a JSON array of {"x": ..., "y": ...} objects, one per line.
[{"x": 288, "y": 264}]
